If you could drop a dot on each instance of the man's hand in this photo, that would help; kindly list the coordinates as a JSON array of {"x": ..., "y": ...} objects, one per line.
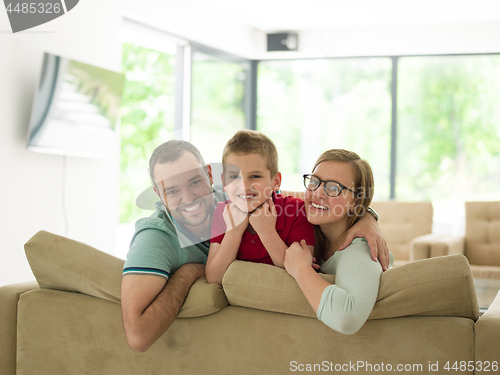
[
  {"x": 235, "y": 218},
  {"x": 264, "y": 218},
  {"x": 367, "y": 227},
  {"x": 150, "y": 303}
]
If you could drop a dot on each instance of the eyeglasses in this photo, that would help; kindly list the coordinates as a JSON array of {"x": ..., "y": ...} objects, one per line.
[{"x": 332, "y": 188}]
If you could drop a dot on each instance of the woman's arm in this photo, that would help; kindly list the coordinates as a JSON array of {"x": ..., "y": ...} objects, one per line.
[
  {"x": 345, "y": 305},
  {"x": 299, "y": 264}
]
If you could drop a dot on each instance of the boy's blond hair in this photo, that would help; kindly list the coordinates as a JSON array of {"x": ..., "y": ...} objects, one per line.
[{"x": 246, "y": 142}]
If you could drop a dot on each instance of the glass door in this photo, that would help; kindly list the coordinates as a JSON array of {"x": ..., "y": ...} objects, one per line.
[{"x": 220, "y": 99}]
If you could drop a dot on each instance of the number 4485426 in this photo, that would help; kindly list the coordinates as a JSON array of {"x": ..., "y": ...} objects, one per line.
[{"x": 34, "y": 8}]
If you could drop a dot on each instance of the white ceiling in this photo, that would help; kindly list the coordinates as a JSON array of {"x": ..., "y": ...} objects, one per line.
[
  {"x": 328, "y": 28},
  {"x": 289, "y": 15}
]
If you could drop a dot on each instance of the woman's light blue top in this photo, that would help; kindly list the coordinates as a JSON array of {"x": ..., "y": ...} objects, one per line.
[{"x": 346, "y": 305}]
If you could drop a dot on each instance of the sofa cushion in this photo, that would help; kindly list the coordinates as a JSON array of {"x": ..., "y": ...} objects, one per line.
[
  {"x": 64, "y": 264},
  {"x": 265, "y": 287},
  {"x": 203, "y": 299},
  {"x": 440, "y": 286}
]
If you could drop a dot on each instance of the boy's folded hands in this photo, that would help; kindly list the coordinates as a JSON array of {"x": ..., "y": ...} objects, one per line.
[
  {"x": 264, "y": 217},
  {"x": 235, "y": 218}
]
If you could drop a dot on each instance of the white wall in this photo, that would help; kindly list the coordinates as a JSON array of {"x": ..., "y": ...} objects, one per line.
[
  {"x": 31, "y": 183},
  {"x": 202, "y": 23}
]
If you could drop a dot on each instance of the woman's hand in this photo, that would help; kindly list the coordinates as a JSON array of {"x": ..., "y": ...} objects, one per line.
[
  {"x": 298, "y": 256},
  {"x": 299, "y": 264},
  {"x": 367, "y": 228}
]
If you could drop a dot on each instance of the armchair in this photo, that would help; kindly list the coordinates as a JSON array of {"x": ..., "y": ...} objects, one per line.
[
  {"x": 403, "y": 223},
  {"x": 480, "y": 245}
]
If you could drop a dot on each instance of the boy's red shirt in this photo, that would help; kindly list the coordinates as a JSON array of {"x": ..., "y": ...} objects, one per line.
[{"x": 291, "y": 226}]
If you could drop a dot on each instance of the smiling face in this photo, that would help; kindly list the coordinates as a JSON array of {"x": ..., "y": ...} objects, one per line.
[
  {"x": 323, "y": 209},
  {"x": 185, "y": 189},
  {"x": 248, "y": 182}
]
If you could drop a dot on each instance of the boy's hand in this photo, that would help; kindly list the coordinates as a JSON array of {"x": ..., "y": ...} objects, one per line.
[
  {"x": 235, "y": 218},
  {"x": 264, "y": 218}
]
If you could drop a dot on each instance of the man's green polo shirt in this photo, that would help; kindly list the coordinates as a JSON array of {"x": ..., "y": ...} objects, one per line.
[{"x": 155, "y": 248}]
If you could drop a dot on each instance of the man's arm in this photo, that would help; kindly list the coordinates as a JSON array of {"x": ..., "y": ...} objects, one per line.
[{"x": 150, "y": 303}]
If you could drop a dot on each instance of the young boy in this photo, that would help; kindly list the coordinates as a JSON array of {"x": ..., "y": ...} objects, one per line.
[{"x": 256, "y": 224}]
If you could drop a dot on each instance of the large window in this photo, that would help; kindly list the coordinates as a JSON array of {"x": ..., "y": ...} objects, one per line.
[
  {"x": 147, "y": 114},
  {"x": 217, "y": 102},
  {"x": 447, "y": 125},
  {"x": 438, "y": 139},
  {"x": 173, "y": 90},
  {"x": 448, "y": 132},
  {"x": 310, "y": 106}
]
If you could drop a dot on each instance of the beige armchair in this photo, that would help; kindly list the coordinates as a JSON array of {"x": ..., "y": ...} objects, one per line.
[
  {"x": 481, "y": 246},
  {"x": 403, "y": 223}
]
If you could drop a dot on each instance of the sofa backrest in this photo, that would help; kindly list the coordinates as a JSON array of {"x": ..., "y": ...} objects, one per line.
[
  {"x": 441, "y": 286},
  {"x": 401, "y": 222},
  {"x": 64, "y": 264},
  {"x": 482, "y": 233}
]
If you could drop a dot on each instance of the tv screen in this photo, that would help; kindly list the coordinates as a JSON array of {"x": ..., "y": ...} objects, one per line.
[{"x": 76, "y": 109}]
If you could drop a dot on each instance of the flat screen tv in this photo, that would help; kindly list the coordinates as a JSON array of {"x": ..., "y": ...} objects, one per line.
[{"x": 76, "y": 109}]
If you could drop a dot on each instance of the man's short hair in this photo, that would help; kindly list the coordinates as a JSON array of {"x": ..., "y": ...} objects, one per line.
[
  {"x": 246, "y": 142},
  {"x": 172, "y": 151}
]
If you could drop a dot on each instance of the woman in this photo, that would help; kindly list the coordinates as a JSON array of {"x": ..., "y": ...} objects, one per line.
[{"x": 338, "y": 193}]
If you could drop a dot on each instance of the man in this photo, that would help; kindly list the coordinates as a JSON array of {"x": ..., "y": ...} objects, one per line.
[{"x": 172, "y": 244}]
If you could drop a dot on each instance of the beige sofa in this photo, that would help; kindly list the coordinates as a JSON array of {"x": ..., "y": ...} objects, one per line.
[{"x": 69, "y": 322}]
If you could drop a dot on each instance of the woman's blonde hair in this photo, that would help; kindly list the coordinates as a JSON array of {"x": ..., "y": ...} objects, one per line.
[{"x": 363, "y": 187}]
